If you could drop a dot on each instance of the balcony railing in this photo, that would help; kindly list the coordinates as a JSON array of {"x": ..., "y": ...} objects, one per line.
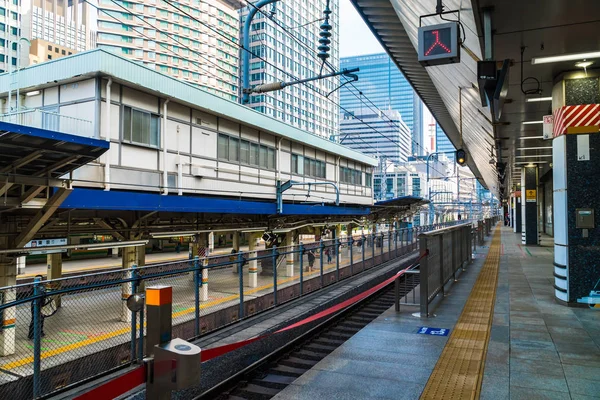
[{"x": 52, "y": 121}]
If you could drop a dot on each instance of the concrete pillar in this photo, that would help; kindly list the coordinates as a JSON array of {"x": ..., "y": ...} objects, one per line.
[
  {"x": 21, "y": 264},
  {"x": 517, "y": 220},
  {"x": 54, "y": 271},
  {"x": 199, "y": 247},
  {"x": 236, "y": 247},
  {"x": 529, "y": 182},
  {"x": 8, "y": 277},
  {"x": 211, "y": 242},
  {"x": 290, "y": 243},
  {"x": 128, "y": 261},
  {"x": 253, "y": 264}
]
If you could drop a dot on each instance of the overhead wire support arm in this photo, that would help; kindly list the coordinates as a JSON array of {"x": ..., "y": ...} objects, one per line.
[
  {"x": 282, "y": 187},
  {"x": 270, "y": 87}
]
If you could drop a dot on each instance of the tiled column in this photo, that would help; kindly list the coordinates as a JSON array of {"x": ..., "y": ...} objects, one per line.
[
  {"x": 290, "y": 242},
  {"x": 529, "y": 185},
  {"x": 576, "y": 187},
  {"x": 54, "y": 262}
]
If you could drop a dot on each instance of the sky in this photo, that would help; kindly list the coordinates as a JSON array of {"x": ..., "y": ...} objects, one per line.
[{"x": 355, "y": 37}]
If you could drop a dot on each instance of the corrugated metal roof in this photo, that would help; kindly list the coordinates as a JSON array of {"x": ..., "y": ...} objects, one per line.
[{"x": 102, "y": 62}]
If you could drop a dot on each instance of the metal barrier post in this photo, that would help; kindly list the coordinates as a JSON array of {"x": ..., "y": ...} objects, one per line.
[
  {"x": 301, "y": 249},
  {"x": 382, "y": 245},
  {"x": 240, "y": 263},
  {"x": 336, "y": 253},
  {"x": 134, "y": 286},
  {"x": 197, "y": 283},
  {"x": 441, "y": 264},
  {"x": 362, "y": 243},
  {"x": 141, "y": 337},
  {"x": 395, "y": 243},
  {"x": 38, "y": 290},
  {"x": 397, "y": 294},
  {"x": 424, "y": 272},
  {"x": 351, "y": 244},
  {"x": 389, "y": 244},
  {"x": 274, "y": 257},
  {"x": 321, "y": 259}
]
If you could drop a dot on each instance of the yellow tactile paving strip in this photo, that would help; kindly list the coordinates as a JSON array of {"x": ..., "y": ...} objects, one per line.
[{"x": 459, "y": 371}]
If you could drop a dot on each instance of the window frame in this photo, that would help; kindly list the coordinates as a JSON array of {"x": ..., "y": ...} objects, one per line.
[
  {"x": 130, "y": 139},
  {"x": 260, "y": 156}
]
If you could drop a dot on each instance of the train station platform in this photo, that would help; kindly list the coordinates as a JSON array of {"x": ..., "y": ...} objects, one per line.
[{"x": 497, "y": 334}]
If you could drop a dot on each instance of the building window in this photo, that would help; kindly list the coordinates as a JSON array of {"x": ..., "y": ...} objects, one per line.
[
  {"x": 49, "y": 57},
  {"x": 56, "y": 50},
  {"x": 245, "y": 152},
  {"x": 307, "y": 166},
  {"x": 140, "y": 127},
  {"x": 350, "y": 176},
  {"x": 368, "y": 180},
  {"x": 50, "y": 47}
]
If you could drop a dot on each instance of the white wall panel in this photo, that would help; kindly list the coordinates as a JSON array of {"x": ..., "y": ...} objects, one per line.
[
  {"x": 78, "y": 90},
  {"x": 115, "y": 120},
  {"x": 139, "y": 157},
  {"x": 249, "y": 133},
  {"x": 51, "y": 96},
  {"x": 144, "y": 101},
  {"x": 285, "y": 162},
  {"x": 204, "y": 143},
  {"x": 179, "y": 111},
  {"x": 229, "y": 127},
  {"x": 181, "y": 139}
]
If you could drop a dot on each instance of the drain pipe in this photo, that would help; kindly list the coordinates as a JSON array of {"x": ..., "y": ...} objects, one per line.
[
  {"x": 164, "y": 135},
  {"x": 107, "y": 123}
]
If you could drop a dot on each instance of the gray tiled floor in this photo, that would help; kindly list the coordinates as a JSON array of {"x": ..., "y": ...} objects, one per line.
[
  {"x": 538, "y": 349},
  {"x": 551, "y": 351}
]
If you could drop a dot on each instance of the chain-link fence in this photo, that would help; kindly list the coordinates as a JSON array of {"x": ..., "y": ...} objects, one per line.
[{"x": 66, "y": 330}]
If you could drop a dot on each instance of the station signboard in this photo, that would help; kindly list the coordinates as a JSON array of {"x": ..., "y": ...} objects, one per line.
[{"x": 41, "y": 243}]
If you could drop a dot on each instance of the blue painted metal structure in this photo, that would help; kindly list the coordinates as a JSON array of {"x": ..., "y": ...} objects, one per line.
[
  {"x": 91, "y": 199},
  {"x": 18, "y": 142},
  {"x": 282, "y": 187}
]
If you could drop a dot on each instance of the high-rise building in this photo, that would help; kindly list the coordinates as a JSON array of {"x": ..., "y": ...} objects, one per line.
[
  {"x": 292, "y": 49},
  {"x": 180, "y": 41},
  {"x": 442, "y": 143},
  {"x": 63, "y": 23},
  {"x": 383, "y": 86},
  {"x": 10, "y": 32},
  {"x": 382, "y": 135}
]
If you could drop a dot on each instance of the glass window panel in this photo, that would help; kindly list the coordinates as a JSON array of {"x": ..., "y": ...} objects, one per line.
[
  {"x": 245, "y": 151},
  {"x": 234, "y": 149},
  {"x": 127, "y": 123},
  {"x": 264, "y": 153},
  {"x": 254, "y": 156},
  {"x": 271, "y": 158},
  {"x": 154, "y": 130},
  {"x": 223, "y": 147},
  {"x": 294, "y": 163}
]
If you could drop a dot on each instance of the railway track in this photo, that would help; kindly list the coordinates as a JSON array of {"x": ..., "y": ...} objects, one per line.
[{"x": 270, "y": 375}]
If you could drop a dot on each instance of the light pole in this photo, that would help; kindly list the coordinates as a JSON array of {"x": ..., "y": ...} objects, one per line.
[{"x": 19, "y": 68}]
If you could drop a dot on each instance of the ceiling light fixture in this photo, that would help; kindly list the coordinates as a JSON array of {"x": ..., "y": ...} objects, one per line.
[
  {"x": 534, "y": 148},
  {"x": 530, "y": 137},
  {"x": 538, "y": 99},
  {"x": 565, "y": 57},
  {"x": 531, "y": 162},
  {"x": 33, "y": 93},
  {"x": 583, "y": 64},
  {"x": 535, "y": 155},
  {"x": 532, "y": 122}
]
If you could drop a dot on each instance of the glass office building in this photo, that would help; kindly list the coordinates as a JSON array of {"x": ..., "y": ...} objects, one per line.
[
  {"x": 386, "y": 87},
  {"x": 382, "y": 135},
  {"x": 442, "y": 143},
  {"x": 295, "y": 52}
]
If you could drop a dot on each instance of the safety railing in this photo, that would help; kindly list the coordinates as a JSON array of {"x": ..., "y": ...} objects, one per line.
[
  {"x": 443, "y": 253},
  {"x": 52, "y": 121},
  {"x": 66, "y": 330}
]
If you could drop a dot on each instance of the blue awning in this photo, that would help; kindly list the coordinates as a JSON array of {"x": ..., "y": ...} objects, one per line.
[
  {"x": 92, "y": 199},
  {"x": 39, "y": 152}
]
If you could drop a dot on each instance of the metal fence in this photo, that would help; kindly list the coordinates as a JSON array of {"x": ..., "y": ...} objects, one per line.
[
  {"x": 53, "y": 121},
  {"x": 443, "y": 253},
  {"x": 70, "y": 329}
]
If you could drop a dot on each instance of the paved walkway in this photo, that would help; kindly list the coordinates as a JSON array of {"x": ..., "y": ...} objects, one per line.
[{"x": 538, "y": 349}]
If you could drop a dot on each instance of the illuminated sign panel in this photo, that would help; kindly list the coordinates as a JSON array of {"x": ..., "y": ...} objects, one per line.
[{"x": 438, "y": 44}]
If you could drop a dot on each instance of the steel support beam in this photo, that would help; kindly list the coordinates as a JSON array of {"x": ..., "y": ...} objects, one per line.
[{"x": 41, "y": 217}]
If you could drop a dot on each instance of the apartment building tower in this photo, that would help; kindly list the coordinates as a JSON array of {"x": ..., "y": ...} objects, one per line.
[
  {"x": 192, "y": 40},
  {"x": 284, "y": 48}
]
